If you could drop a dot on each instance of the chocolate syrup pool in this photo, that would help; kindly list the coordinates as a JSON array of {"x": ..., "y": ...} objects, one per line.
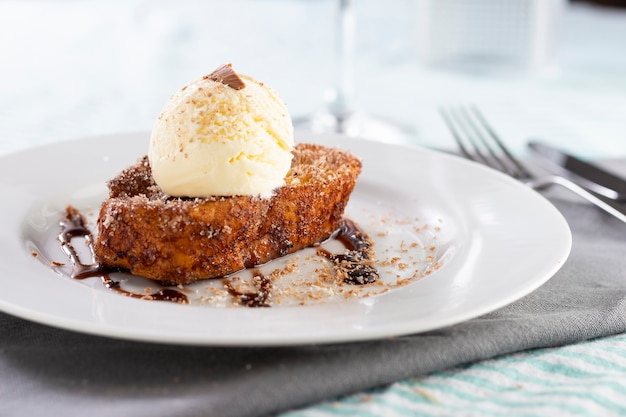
[
  {"x": 353, "y": 266},
  {"x": 73, "y": 226}
]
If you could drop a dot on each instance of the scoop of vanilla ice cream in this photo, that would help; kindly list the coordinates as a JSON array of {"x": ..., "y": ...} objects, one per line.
[{"x": 213, "y": 139}]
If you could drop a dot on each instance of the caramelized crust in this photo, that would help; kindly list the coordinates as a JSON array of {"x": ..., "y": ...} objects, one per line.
[{"x": 180, "y": 240}]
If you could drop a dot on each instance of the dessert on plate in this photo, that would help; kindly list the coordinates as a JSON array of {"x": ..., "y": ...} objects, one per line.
[{"x": 223, "y": 187}]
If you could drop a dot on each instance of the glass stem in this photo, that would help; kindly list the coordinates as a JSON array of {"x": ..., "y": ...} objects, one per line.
[{"x": 341, "y": 106}]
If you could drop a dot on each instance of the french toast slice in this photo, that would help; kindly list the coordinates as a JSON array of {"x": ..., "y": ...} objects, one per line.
[{"x": 180, "y": 240}]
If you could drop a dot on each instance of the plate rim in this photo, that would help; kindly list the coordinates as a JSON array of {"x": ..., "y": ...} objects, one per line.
[{"x": 115, "y": 331}]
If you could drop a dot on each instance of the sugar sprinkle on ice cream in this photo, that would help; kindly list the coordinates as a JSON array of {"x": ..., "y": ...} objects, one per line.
[{"x": 224, "y": 134}]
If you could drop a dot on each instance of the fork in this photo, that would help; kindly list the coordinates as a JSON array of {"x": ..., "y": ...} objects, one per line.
[{"x": 479, "y": 142}]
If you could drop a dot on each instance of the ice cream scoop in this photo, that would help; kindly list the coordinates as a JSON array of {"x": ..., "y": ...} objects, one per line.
[{"x": 224, "y": 134}]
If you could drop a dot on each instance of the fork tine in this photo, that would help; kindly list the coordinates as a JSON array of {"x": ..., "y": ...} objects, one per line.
[
  {"x": 522, "y": 171},
  {"x": 449, "y": 121},
  {"x": 466, "y": 133},
  {"x": 457, "y": 124},
  {"x": 476, "y": 135},
  {"x": 469, "y": 127}
]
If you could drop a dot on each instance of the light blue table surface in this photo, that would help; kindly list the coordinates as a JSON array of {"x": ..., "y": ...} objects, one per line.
[{"x": 75, "y": 69}]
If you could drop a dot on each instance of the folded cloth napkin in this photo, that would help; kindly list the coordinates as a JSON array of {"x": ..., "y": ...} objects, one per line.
[{"x": 47, "y": 371}]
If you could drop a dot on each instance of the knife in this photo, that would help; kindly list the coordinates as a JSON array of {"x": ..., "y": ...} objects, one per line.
[{"x": 584, "y": 173}]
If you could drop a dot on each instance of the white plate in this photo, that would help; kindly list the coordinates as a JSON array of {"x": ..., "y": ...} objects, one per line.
[{"x": 494, "y": 241}]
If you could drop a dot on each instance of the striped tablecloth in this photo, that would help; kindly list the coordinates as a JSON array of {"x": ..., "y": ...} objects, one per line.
[{"x": 585, "y": 379}]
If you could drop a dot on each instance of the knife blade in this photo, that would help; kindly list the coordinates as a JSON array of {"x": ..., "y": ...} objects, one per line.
[{"x": 582, "y": 172}]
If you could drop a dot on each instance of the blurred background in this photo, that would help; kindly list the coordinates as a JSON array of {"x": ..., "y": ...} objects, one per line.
[{"x": 71, "y": 68}]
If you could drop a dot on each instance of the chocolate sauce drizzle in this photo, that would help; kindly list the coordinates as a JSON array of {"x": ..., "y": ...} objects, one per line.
[
  {"x": 73, "y": 226},
  {"x": 259, "y": 298},
  {"x": 355, "y": 265}
]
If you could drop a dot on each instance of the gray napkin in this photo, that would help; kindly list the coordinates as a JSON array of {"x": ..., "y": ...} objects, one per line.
[{"x": 46, "y": 371}]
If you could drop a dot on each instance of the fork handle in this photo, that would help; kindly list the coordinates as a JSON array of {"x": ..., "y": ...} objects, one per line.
[{"x": 611, "y": 207}]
